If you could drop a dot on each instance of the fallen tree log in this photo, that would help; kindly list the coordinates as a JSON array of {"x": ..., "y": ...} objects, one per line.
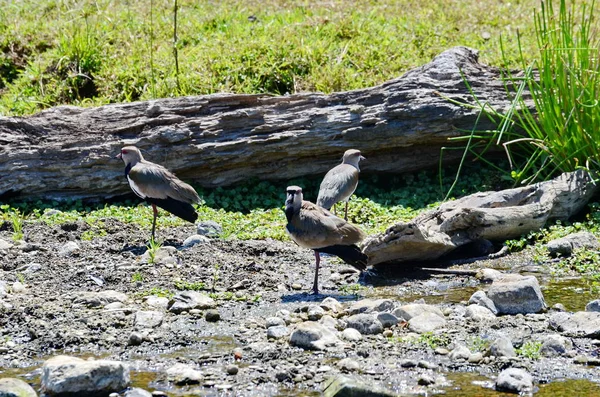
[
  {"x": 218, "y": 140},
  {"x": 494, "y": 216}
]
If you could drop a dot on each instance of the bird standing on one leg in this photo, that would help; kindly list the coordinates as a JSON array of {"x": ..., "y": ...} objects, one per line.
[
  {"x": 340, "y": 182},
  {"x": 158, "y": 186},
  {"x": 316, "y": 228}
]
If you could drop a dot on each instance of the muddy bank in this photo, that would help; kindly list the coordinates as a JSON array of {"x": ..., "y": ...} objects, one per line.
[{"x": 102, "y": 298}]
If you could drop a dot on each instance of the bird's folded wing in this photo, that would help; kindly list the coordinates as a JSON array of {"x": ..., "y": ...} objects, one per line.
[
  {"x": 150, "y": 181},
  {"x": 320, "y": 228}
]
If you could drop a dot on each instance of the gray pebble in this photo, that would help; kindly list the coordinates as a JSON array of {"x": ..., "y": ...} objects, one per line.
[
  {"x": 135, "y": 339},
  {"x": 212, "y": 315},
  {"x": 232, "y": 369}
]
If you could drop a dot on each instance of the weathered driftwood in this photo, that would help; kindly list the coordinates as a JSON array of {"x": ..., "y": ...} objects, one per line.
[
  {"x": 218, "y": 140},
  {"x": 495, "y": 216}
]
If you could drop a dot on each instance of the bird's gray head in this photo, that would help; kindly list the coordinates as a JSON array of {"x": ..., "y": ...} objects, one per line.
[
  {"x": 294, "y": 196},
  {"x": 293, "y": 201},
  {"x": 130, "y": 155},
  {"x": 352, "y": 157}
]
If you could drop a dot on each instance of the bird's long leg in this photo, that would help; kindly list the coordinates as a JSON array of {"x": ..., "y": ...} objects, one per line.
[
  {"x": 334, "y": 210},
  {"x": 316, "y": 283},
  {"x": 154, "y": 220},
  {"x": 346, "y": 213}
]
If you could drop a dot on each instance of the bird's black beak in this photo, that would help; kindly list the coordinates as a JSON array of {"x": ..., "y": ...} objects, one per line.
[{"x": 290, "y": 199}]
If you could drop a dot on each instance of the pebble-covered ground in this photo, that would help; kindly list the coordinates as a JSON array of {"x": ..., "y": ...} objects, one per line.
[{"x": 237, "y": 318}]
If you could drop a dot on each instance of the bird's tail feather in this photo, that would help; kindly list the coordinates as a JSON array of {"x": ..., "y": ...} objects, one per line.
[
  {"x": 350, "y": 254},
  {"x": 179, "y": 208}
]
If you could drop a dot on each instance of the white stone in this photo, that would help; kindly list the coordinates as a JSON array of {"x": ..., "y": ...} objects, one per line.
[
  {"x": 332, "y": 304},
  {"x": 157, "y": 302},
  {"x": 195, "y": 239},
  {"x": 415, "y": 309},
  {"x": 515, "y": 380},
  {"x": 351, "y": 334},
  {"x": 18, "y": 287},
  {"x": 313, "y": 336},
  {"x": 68, "y": 248},
  {"x": 148, "y": 319},
  {"x": 426, "y": 322},
  {"x": 4, "y": 245},
  {"x": 371, "y": 305},
  {"x": 183, "y": 374},
  {"x": 479, "y": 313},
  {"x": 13, "y": 387},
  {"x": 65, "y": 374}
]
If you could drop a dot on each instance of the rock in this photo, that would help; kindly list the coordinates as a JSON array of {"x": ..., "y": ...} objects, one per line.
[
  {"x": 113, "y": 306},
  {"x": 313, "y": 336},
  {"x": 593, "y": 306},
  {"x": 282, "y": 376},
  {"x": 100, "y": 299},
  {"x": 148, "y": 319},
  {"x": 514, "y": 380},
  {"x": 427, "y": 365},
  {"x": 414, "y": 309},
  {"x": 209, "y": 228},
  {"x": 587, "y": 360},
  {"x": 566, "y": 245},
  {"x": 275, "y": 321},
  {"x": 69, "y": 248},
  {"x": 475, "y": 358},
  {"x": 517, "y": 294},
  {"x": 195, "y": 239},
  {"x": 555, "y": 345},
  {"x": 13, "y": 387},
  {"x": 481, "y": 299},
  {"x": 4, "y": 245},
  {"x": 232, "y": 369},
  {"x": 388, "y": 333},
  {"x": 135, "y": 339},
  {"x": 137, "y": 392},
  {"x": 329, "y": 322},
  {"x": 187, "y": 300},
  {"x": 345, "y": 386},
  {"x": 479, "y": 313},
  {"x": 18, "y": 287},
  {"x": 502, "y": 347},
  {"x": 371, "y": 305},
  {"x": 212, "y": 316},
  {"x": 408, "y": 363},
  {"x": 366, "y": 324},
  {"x": 579, "y": 324},
  {"x": 315, "y": 313},
  {"x": 426, "y": 322},
  {"x": 387, "y": 320},
  {"x": 296, "y": 286},
  {"x": 351, "y": 334},
  {"x": 65, "y": 374},
  {"x": 488, "y": 275},
  {"x": 32, "y": 268},
  {"x": 277, "y": 332},
  {"x": 460, "y": 352},
  {"x": 163, "y": 256},
  {"x": 348, "y": 365},
  {"x": 425, "y": 380},
  {"x": 332, "y": 305},
  {"x": 183, "y": 374},
  {"x": 157, "y": 302},
  {"x": 3, "y": 288}
]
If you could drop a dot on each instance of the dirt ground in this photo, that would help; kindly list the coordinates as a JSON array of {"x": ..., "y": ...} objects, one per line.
[{"x": 250, "y": 281}]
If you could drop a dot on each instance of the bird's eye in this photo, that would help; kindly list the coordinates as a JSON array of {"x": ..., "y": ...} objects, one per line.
[{"x": 123, "y": 151}]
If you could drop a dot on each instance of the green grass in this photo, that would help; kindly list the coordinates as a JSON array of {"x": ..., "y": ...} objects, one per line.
[
  {"x": 95, "y": 52},
  {"x": 561, "y": 77}
]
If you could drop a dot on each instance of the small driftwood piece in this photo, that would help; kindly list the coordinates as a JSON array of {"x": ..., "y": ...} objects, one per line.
[
  {"x": 494, "y": 216},
  {"x": 219, "y": 140}
]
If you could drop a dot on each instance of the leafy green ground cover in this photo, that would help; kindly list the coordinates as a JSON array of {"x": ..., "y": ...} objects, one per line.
[{"x": 104, "y": 51}]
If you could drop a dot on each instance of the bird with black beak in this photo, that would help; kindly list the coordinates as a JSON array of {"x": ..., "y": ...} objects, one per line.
[
  {"x": 158, "y": 186},
  {"x": 340, "y": 182},
  {"x": 314, "y": 227}
]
